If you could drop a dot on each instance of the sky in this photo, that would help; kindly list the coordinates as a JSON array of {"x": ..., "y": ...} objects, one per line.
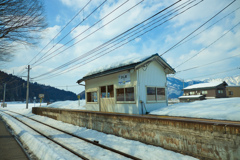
[{"x": 214, "y": 46}]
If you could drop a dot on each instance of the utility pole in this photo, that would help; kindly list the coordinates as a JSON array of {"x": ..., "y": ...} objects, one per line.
[
  {"x": 4, "y": 93},
  {"x": 183, "y": 83},
  {"x": 27, "y": 95}
]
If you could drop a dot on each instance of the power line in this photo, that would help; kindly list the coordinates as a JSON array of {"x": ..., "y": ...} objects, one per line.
[
  {"x": 67, "y": 86},
  {"x": 208, "y": 45},
  {"x": 87, "y": 30},
  {"x": 7, "y": 89},
  {"x": 148, "y": 31},
  {"x": 197, "y": 28},
  {"x": 207, "y": 27},
  {"x": 43, "y": 56},
  {"x": 86, "y": 54},
  {"x": 23, "y": 70},
  {"x": 218, "y": 72},
  {"x": 207, "y": 64},
  {"x": 60, "y": 31}
]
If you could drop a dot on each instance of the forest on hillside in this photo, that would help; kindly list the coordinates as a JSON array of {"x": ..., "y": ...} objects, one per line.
[{"x": 16, "y": 90}]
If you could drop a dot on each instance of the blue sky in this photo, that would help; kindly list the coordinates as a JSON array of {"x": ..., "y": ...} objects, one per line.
[{"x": 60, "y": 12}]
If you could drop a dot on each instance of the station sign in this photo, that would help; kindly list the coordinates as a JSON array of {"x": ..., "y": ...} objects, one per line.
[
  {"x": 124, "y": 79},
  {"x": 41, "y": 95}
]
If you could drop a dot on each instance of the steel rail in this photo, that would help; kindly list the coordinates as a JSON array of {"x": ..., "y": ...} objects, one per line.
[
  {"x": 70, "y": 150},
  {"x": 84, "y": 139},
  {"x": 10, "y": 130}
]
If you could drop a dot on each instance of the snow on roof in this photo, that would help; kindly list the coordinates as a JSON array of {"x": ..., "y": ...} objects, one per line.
[
  {"x": 192, "y": 96},
  {"x": 204, "y": 85},
  {"x": 118, "y": 64}
]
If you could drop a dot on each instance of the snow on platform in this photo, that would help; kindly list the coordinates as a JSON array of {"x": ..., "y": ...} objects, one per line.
[
  {"x": 67, "y": 105},
  {"x": 221, "y": 109}
]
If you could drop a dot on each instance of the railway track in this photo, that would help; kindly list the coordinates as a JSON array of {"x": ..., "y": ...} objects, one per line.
[{"x": 82, "y": 155}]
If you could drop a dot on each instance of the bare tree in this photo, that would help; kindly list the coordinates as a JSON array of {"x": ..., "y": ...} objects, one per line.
[{"x": 20, "y": 20}]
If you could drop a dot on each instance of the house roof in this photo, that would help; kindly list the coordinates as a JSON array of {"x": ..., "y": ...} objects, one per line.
[
  {"x": 205, "y": 85},
  {"x": 134, "y": 63}
]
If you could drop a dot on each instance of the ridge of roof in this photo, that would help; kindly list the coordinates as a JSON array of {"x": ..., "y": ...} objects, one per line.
[
  {"x": 204, "y": 85},
  {"x": 123, "y": 65}
]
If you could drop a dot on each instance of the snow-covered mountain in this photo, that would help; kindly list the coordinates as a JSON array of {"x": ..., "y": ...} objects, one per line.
[
  {"x": 176, "y": 85},
  {"x": 231, "y": 81}
]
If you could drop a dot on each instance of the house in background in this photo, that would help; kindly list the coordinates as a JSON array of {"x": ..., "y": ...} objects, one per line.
[
  {"x": 233, "y": 91},
  {"x": 204, "y": 91},
  {"x": 134, "y": 86}
]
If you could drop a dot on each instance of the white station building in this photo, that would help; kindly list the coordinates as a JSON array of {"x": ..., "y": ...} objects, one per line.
[{"x": 136, "y": 86}]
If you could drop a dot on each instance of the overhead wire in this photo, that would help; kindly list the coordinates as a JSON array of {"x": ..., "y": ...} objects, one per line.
[
  {"x": 76, "y": 59},
  {"x": 7, "y": 89},
  {"x": 214, "y": 42},
  {"x": 61, "y": 30},
  {"x": 46, "y": 55},
  {"x": 182, "y": 39},
  {"x": 90, "y": 33},
  {"x": 207, "y": 28},
  {"x": 198, "y": 28},
  {"x": 207, "y": 64},
  {"x": 208, "y": 45},
  {"x": 235, "y": 68},
  {"x": 21, "y": 72}
]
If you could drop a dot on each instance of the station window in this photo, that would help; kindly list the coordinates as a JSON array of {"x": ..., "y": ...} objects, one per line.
[
  {"x": 107, "y": 91},
  {"x": 103, "y": 92},
  {"x": 155, "y": 94},
  {"x": 91, "y": 96},
  {"x": 230, "y": 92},
  {"x": 125, "y": 94},
  {"x": 110, "y": 91}
]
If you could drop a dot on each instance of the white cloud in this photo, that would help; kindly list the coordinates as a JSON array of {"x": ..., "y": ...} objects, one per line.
[
  {"x": 58, "y": 18},
  {"x": 156, "y": 41}
]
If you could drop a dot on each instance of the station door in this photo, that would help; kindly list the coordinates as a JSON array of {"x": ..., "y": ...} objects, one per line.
[{"x": 107, "y": 105}]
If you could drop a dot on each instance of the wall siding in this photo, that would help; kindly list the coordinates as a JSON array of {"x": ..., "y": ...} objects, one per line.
[
  {"x": 152, "y": 76},
  {"x": 235, "y": 90},
  {"x": 94, "y": 84}
]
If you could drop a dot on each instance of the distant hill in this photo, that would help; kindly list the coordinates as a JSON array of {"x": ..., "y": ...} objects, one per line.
[
  {"x": 175, "y": 86},
  {"x": 16, "y": 90},
  {"x": 82, "y": 95}
]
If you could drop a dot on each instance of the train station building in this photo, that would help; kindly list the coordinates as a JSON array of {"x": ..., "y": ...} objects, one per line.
[{"x": 135, "y": 86}]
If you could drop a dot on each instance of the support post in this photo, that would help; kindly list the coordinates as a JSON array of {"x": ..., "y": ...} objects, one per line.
[
  {"x": 27, "y": 95},
  {"x": 4, "y": 94},
  {"x": 183, "y": 83}
]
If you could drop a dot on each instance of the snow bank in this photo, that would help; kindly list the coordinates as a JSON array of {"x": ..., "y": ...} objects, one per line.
[
  {"x": 222, "y": 109},
  {"x": 67, "y": 105}
]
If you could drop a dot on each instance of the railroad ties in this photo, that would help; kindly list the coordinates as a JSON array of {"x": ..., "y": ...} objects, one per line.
[{"x": 83, "y": 155}]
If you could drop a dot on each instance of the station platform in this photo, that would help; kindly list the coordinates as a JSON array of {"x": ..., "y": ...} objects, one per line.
[{"x": 9, "y": 148}]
